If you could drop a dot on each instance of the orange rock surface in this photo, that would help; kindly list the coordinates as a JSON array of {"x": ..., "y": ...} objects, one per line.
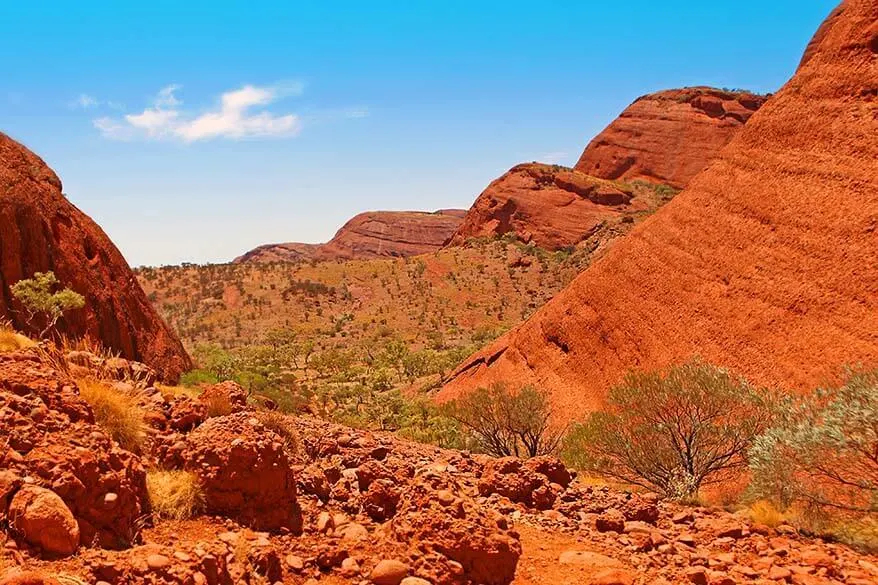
[
  {"x": 549, "y": 205},
  {"x": 668, "y": 137},
  {"x": 767, "y": 263},
  {"x": 373, "y": 234},
  {"x": 40, "y": 230}
]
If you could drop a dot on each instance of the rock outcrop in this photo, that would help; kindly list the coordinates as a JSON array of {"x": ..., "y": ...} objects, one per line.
[
  {"x": 767, "y": 263},
  {"x": 373, "y": 234},
  {"x": 49, "y": 439},
  {"x": 244, "y": 471},
  {"x": 670, "y": 136},
  {"x": 548, "y": 205},
  {"x": 40, "y": 230}
]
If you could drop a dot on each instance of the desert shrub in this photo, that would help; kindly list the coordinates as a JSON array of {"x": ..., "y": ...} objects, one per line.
[
  {"x": 116, "y": 411},
  {"x": 194, "y": 378},
  {"x": 505, "y": 422},
  {"x": 425, "y": 423},
  {"x": 174, "y": 495},
  {"x": 42, "y": 302},
  {"x": 823, "y": 451},
  {"x": 672, "y": 432}
]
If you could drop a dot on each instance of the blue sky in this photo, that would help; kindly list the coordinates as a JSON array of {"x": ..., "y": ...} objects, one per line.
[{"x": 194, "y": 131}]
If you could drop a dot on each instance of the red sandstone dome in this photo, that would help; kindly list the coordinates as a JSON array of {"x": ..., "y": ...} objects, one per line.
[
  {"x": 668, "y": 137},
  {"x": 767, "y": 263},
  {"x": 40, "y": 230},
  {"x": 373, "y": 234},
  {"x": 551, "y": 206}
]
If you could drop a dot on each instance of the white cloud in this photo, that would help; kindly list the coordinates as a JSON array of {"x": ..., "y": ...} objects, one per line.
[
  {"x": 85, "y": 101},
  {"x": 235, "y": 117},
  {"x": 165, "y": 97}
]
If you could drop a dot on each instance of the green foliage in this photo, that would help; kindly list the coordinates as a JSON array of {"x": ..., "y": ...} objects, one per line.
[
  {"x": 197, "y": 377},
  {"x": 823, "y": 450},
  {"x": 504, "y": 423},
  {"x": 40, "y": 299},
  {"x": 671, "y": 432}
]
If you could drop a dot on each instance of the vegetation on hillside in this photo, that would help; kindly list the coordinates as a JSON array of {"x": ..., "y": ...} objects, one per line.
[
  {"x": 44, "y": 302},
  {"x": 673, "y": 431}
]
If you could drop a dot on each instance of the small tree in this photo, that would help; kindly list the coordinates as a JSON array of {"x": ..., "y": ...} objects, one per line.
[
  {"x": 823, "y": 451},
  {"x": 508, "y": 423},
  {"x": 672, "y": 433},
  {"x": 40, "y": 299}
]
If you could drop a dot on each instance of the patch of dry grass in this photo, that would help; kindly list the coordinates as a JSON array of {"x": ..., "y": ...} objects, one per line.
[
  {"x": 283, "y": 425},
  {"x": 11, "y": 340},
  {"x": 169, "y": 392},
  {"x": 174, "y": 495},
  {"x": 763, "y": 512},
  {"x": 218, "y": 404},
  {"x": 116, "y": 411}
]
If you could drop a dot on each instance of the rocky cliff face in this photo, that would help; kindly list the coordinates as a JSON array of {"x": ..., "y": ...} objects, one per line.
[
  {"x": 767, "y": 263},
  {"x": 373, "y": 234},
  {"x": 669, "y": 136},
  {"x": 549, "y": 205},
  {"x": 40, "y": 230}
]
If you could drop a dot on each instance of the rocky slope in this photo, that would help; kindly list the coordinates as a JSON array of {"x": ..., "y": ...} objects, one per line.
[
  {"x": 767, "y": 263},
  {"x": 668, "y": 137},
  {"x": 296, "y": 500},
  {"x": 40, "y": 230},
  {"x": 373, "y": 234},
  {"x": 551, "y": 206}
]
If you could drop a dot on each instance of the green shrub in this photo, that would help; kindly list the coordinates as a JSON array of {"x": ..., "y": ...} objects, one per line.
[
  {"x": 42, "y": 302},
  {"x": 673, "y": 432},
  {"x": 823, "y": 451},
  {"x": 505, "y": 423}
]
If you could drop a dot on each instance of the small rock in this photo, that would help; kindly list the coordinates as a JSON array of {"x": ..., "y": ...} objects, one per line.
[
  {"x": 776, "y": 573},
  {"x": 389, "y": 572},
  {"x": 295, "y": 563},
  {"x": 157, "y": 562},
  {"x": 610, "y": 521},
  {"x": 697, "y": 575}
]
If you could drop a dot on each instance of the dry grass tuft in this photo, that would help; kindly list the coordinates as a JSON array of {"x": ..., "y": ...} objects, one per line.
[
  {"x": 117, "y": 412},
  {"x": 763, "y": 512},
  {"x": 283, "y": 425},
  {"x": 218, "y": 405},
  {"x": 174, "y": 495},
  {"x": 170, "y": 392},
  {"x": 11, "y": 340}
]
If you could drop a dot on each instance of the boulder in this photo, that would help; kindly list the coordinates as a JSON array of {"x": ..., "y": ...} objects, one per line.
[
  {"x": 42, "y": 518},
  {"x": 244, "y": 472},
  {"x": 467, "y": 537}
]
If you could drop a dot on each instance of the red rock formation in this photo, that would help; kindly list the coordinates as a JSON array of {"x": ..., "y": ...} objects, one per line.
[
  {"x": 244, "y": 471},
  {"x": 669, "y": 136},
  {"x": 549, "y": 205},
  {"x": 288, "y": 252},
  {"x": 767, "y": 263},
  {"x": 48, "y": 434},
  {"x": 40, "y": 230},
  {"x": 373, "y": 234}
]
